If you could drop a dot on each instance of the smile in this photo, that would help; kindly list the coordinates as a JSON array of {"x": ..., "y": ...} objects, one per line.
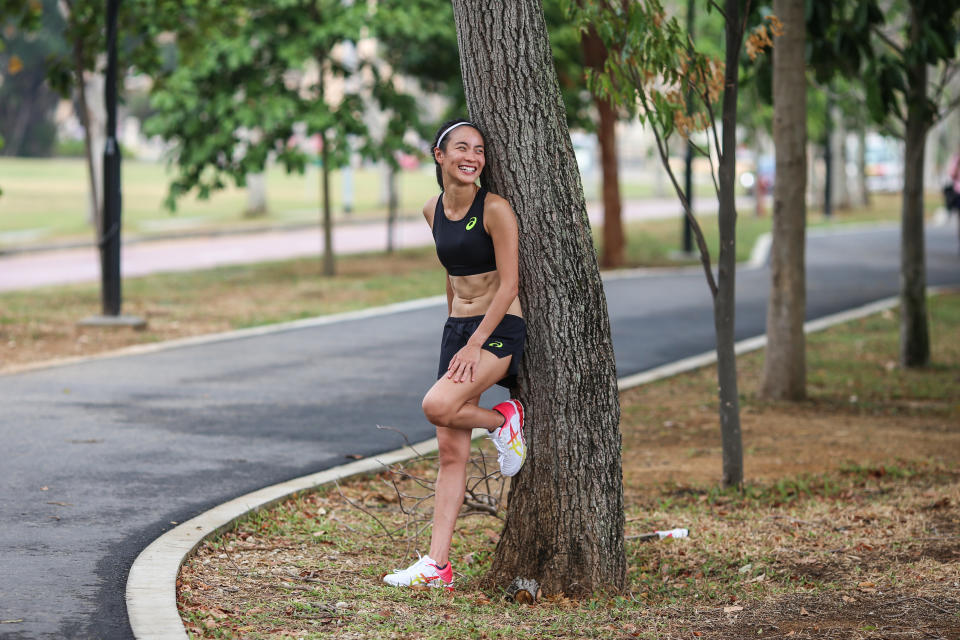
[{"x": 467, "y": 169}]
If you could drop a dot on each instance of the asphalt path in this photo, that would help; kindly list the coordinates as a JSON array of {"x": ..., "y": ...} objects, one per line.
[{"x": 103, "y": 456}]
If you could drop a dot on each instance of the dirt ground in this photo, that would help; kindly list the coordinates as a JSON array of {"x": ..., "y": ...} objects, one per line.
[
  {"x": 848, "y": 529},
  {"x": 680, "y": 443}
]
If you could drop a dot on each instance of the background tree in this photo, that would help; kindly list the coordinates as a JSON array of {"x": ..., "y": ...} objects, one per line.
[
  {"x": 894, "y": 48},
  {"x": 564, "y": 523},
  {"x": 27, "y": 102},
  {"x": 784, "y": 368},
  {"x": 15, "y": 17},
  {"x": 238, "y": 99},
  {"x": 652, "y": 63},
  {"x": 418, "y": 39}
]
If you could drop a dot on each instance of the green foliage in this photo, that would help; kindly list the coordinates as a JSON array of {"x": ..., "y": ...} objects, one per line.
[
  {"x": 233, "y": 101},
  {"x": 420, "y": 40},
  {"x": 856, "y": 39},
  {"x": 28, "y": 36}
]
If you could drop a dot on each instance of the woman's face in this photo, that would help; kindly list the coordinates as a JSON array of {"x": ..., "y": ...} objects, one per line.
[{"x": 463, "y": 159}]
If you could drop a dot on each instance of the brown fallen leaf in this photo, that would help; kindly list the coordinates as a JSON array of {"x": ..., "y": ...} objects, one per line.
[
  {"x": 732, "y": 609},
  {"x": 866, "y": 585},
  {"x": 849, "y": 600},
  {"x": 804, "y": 612}
]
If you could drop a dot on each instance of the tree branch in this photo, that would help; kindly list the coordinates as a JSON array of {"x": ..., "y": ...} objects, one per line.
[
  {"x": 719, "y": 9},
  {"x": 685, "y": 203},
  {"x": 888, "y": 41},
  {"x": 363, "y": 509}
]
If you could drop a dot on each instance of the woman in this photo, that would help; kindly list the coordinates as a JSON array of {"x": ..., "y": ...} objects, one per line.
[{"x": 476, "y": 237}]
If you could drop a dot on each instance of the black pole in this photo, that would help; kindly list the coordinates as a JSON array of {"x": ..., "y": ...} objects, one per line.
[
  {"x": 688, "y": 170},
  {"x": 110, "y": 240}
]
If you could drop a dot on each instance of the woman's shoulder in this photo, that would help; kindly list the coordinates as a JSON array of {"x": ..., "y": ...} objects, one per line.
[
  {"x": 430, "y": 208},
  {"x": 498, "y": 205}
]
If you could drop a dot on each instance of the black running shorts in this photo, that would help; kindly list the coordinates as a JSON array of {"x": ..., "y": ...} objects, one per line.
[{"x": 506, "y": 340}]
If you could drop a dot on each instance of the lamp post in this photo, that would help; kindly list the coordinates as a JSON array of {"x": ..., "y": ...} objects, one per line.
[{"x": 110, "y": 240}]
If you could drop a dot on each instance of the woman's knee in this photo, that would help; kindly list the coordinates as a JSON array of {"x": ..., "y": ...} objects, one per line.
[{"x": 438, "y": 409}]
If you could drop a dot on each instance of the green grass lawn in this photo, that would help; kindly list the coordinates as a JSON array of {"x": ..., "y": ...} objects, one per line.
[{"x": 44, "y": 198}]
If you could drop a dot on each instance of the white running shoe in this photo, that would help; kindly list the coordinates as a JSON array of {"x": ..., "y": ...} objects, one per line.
[
  {"x": 509, "y": 440},
  {"x": 422, "y": 572}
]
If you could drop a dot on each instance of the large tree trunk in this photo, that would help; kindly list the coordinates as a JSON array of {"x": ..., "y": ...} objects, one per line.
[
  {"x": 595, "y": 54},
  {"x": 914, "y": 333},
  {"x": 785, "y": 368},
  {"x": 564, "y": 523},
  {"x": 723, "y": 302}
]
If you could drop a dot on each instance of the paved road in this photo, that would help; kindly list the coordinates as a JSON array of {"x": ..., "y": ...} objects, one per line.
[
  {"x": 101, "y": 457},
  {"x": 31, "y": 269}
]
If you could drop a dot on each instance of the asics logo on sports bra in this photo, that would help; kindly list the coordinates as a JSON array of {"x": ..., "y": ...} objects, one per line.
[
  {"x": 498, "y": 345},
  {"x": 471, "y": 223}
]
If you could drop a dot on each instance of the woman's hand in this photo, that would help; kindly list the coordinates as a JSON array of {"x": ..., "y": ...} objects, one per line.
[{"x": 464, "y": 363}]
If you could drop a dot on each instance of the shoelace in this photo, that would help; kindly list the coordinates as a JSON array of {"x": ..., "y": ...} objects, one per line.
[{"x": 419, "y": 558}]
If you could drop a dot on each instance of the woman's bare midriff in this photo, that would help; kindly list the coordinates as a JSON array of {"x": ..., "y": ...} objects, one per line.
[{"x": 472, "y": 295}]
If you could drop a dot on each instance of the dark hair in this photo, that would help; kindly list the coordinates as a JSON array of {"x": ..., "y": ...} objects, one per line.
[{"x": 443, "y": 144}]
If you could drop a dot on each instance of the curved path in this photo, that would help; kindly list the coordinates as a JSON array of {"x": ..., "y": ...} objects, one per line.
[{"x": 101, "y": 457}]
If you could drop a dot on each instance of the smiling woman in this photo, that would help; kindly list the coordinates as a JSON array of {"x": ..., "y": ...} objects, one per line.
[{"x": 476, "y": 237}]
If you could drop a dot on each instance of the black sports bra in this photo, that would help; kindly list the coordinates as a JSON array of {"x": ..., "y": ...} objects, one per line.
[{"x": 464, "y": 246}]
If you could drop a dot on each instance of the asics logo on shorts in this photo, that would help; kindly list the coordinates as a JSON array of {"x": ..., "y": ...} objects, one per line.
[
  {"x": 498, "y": 345},
  {"x": 471, "y": 223}
]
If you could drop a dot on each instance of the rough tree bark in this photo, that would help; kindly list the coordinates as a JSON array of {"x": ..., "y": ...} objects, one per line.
[
  {"x": 595, "y": 54},
  {"x": 723, "y": 301},
  {"x": 785, "y": 369},
  {"x": 564, "y": 523},
  {"x": 914, "y": 332}
]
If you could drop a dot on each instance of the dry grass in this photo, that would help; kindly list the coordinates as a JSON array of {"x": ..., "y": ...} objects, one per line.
[{"x": 848, "y": 527}]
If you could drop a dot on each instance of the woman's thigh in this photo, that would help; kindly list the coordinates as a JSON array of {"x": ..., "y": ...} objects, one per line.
[{"x": 491, "y": 370}]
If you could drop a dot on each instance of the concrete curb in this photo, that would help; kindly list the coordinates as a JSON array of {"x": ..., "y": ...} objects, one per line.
[{"x": 151, "y": 585}]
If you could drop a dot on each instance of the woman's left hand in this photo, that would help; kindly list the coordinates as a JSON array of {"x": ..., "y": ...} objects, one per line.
[{"x": 464, "y": 363}]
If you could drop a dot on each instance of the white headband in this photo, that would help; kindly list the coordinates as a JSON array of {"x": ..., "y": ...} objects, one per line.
[{"x": 449, "y": 129}]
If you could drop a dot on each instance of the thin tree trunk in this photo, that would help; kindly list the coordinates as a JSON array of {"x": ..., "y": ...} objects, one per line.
[
  {"x": 785, "y": 369},
  {"x": 564, "y": 524},
  {"x": 862, "y": 166},
  {"x": 724, "y": 317},
  {"x": 96, "y": 212},
  {"x": 329, "y": 267},
  {"x": 914, "y": 332},
  {"x": 841, "y": 197},
  {"x": 256, "y": 195},
  {"x": 614, "y": 242},
  {"x": 595, "y": 54},
  {"x": 391, "y": 208}
]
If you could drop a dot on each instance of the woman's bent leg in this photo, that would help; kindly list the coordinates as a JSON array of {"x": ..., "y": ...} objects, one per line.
[{"x": 448, "y": 403}]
